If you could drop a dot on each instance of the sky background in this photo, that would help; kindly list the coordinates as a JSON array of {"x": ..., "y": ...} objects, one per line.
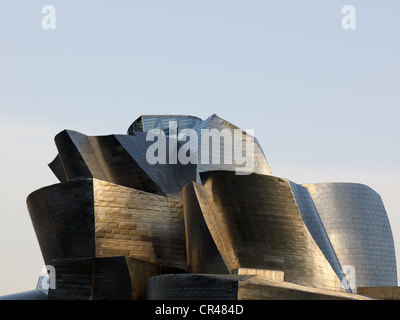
[{"x": 324, "y": 102}]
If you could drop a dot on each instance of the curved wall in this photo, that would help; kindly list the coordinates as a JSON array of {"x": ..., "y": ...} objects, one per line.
[
  {"x": 202, "y": 253},
  {"x": 260, "y": 164},
  {"x": 63, "y": 219},
  {"x": 314, "y": 224},
  {"x": 255, "y": 223},
  {"x": 138, "y": 224},
  {"x": 100, "y": 157},
  {"x": 89, "y": 224},
  {"x": 357, "y": 224}
]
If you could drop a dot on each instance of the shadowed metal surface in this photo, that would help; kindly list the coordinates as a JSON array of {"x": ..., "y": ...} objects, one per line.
[
  {"x": 121, "y": 159},
  {"x": 140, "y": 271},
  {"x": 74, "y": 279},
  {"x": 100, "y": 157},
  {"x": 190, "y": 287},
  {"x": 69, "y": 144},
  {"x": 356, "y": 222},
  {"x": 202, "y": 254},
  {"x": 110, "y": 278},
  {"x": 314, "y": 224},
  {"x": 255, "y": 223},
  {"x": 57, "y": 167},
  {"x": 235, "y": 287},
  {"x": 91, "y": 279},
  {"x": 170, "y": 177},
  {"x": 63, "y": 219}
]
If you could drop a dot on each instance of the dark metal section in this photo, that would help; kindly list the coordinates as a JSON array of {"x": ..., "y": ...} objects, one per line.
[
  {"x": 62, "y": 216},
  {"x": 111, "y": 279},
  {"x": 58, "y": 170},
  {"x": 68, "y": 144},
  {"x": 74, "y": 279},
  {"x": 141, "y": 270},
  {"x": 102, "y": 158},
  {"x": 235, "y": 287},
  {"x": 202, "y": 254},
  {"x": 170, "y": 178},
  {"x": 91, "y": 279},
  {"x": 190, "y": 287},
  {"x": 109, "y": 161}
]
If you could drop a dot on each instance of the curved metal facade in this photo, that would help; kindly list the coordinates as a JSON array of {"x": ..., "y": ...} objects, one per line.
[
  {"x": 202, "y": 253},
  {"x": 259, "y": 162},
  {"x": 100, "y": 157},
  {"x": 138, "y": 224},
  {"x": 357, "y": 224},
  {"x": 119, "y": 227},
  {"x": 314, "y": 224},
  {"x": 63, "y": 218},
  {"x": 82, "y": 225},
  {"x": 255, "y": 223}
]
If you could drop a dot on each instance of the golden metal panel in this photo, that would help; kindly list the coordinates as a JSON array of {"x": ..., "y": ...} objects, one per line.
[
  {"x": 255, "y": 223},
  {"x": 138, "y": 224}
]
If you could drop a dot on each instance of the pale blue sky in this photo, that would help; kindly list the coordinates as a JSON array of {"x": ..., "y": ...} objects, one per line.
[{"x": 324, "y": 102}]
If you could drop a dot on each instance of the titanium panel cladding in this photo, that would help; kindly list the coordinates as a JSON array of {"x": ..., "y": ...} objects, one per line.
[
  {"x": 357, "y": 224},
  {"x": 255, "y": 223},
  {"x": 63, "y": 218},
  {"x": 138, "y": 224},
  {"x": 314, "y": 224}
]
